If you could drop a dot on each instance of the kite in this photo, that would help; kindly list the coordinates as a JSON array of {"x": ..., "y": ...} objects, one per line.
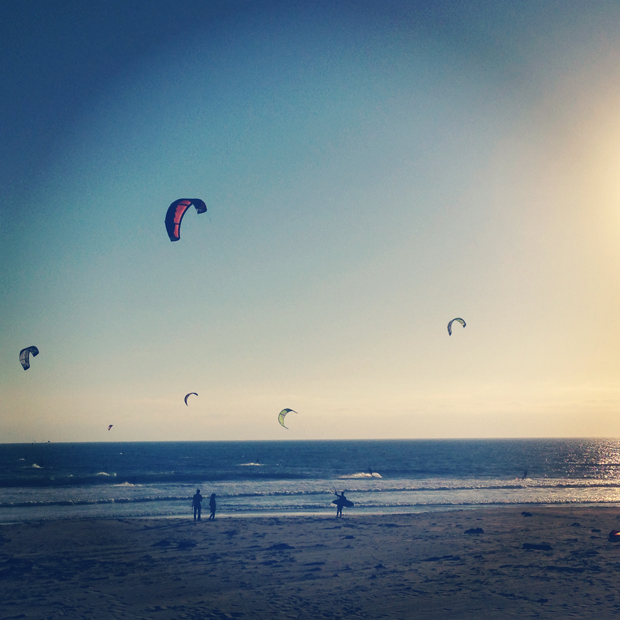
[
  {"x": 24, "y": 356},
  {"x": 111, "y": 425},
  {"x": 188, "y": 395},
  {"x": 461, "y": 321},
  {"x": 282, "y": 415},
  {"x": 175, "y": 214}
]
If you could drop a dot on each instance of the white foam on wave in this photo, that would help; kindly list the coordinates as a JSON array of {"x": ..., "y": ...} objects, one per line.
[
  {"x": 250, "y": 464},
  {"x": 103, "y": 473},
  {"x": 361, "y": 474}
]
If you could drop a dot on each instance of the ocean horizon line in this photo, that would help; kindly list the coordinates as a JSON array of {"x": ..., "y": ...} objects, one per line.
[{"x": 305, "y": 440}]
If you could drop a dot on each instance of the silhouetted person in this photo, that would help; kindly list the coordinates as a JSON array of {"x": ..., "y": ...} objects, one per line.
[
  {"x": 196, "y": 503},
  {"x": 340, "y": 503},
  {"x": 212, "y": 506}
]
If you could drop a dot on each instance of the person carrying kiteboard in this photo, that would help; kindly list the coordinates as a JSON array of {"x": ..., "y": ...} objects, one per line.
[{"x": 341, "y": 502}]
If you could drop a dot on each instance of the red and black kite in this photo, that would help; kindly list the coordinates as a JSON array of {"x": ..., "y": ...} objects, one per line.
[{"x": 175, "y": 214}]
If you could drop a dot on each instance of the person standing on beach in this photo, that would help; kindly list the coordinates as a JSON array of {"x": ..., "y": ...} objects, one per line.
[
  {"x": 196, "y": 503},
  {"x": 212, "y": 506},
  {"x": 340, "y": 503}
]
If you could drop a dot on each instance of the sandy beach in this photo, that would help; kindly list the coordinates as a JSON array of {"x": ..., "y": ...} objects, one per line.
[{"x": 458, "y": 564}]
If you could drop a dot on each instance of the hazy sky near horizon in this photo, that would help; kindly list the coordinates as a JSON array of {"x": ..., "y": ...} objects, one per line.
[{"x": 372, "y": 169}]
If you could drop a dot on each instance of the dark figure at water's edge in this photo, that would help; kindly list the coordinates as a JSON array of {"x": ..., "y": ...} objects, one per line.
[
  {"x": 341, "y": 502},
  {"x": 212, "y": 506},
  {"x": 196, "y": 503}
]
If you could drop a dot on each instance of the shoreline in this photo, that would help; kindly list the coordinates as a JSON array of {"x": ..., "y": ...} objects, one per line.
[
  {"x": 428, "y": 564},
  {"x": 326, "y": 512}
]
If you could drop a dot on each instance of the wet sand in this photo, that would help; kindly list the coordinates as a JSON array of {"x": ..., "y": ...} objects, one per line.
[{"x": 427, "y": 565}]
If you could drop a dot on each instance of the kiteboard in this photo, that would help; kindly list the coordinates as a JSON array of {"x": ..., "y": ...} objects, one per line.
[{"x": 346, "y": 503}]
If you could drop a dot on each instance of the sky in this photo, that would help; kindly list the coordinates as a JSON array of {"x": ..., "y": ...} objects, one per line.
[{"x": 372, "y": 170}]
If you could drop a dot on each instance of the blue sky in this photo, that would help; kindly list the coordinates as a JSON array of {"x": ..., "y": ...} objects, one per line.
[{"x": 371, "y": 170}]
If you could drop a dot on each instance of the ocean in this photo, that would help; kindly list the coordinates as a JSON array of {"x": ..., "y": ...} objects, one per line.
[{"x": 116, "y": 480}]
